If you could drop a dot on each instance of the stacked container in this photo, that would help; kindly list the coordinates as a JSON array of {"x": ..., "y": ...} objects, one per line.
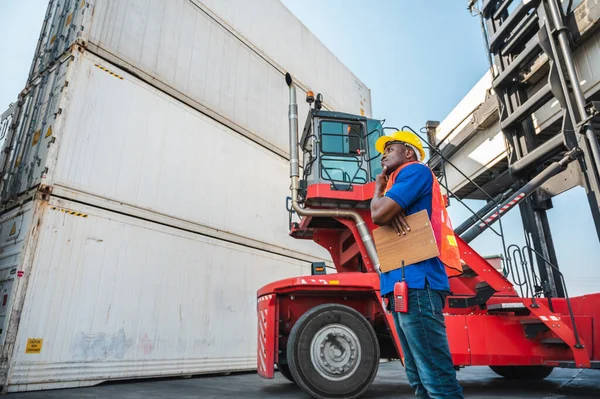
[{"x": 144, "y": 181}]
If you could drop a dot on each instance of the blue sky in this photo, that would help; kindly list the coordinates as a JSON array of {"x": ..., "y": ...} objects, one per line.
[
  {"x": 20, "y": 25},
  {"x": 418, "y": 58}
]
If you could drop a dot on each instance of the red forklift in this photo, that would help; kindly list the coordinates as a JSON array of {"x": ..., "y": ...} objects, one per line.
[{"x": 327, "y": 332}]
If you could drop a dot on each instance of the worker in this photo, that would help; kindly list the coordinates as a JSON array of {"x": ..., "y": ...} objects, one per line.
[{"x": 406, "y": 186}]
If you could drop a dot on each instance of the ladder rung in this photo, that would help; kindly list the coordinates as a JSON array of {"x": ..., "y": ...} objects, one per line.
[
  {"x": 539, "y": 154},
  {"x": 510, "y": 46},
  {"x": 518, "y": 62},
  {"x": 488, "y": 5},
  {"x": 501, "y": 9},
  {"x": 513, "y": 19},
  {"x": 531, "y": 105}
]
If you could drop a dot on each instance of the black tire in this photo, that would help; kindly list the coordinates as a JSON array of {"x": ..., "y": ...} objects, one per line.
[
  {"x": 340, "y": 335},
  {"x": 284, "y": 369},
  {"x": 523, "y": 372}
]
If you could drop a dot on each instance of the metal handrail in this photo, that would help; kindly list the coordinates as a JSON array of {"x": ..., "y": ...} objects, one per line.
[
  {"x": 567, "y": 298},
  {"x": 351, "y": 158},
  {"x": 519, "y": 280}
]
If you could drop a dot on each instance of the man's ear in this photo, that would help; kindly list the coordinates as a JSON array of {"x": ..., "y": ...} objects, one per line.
[{"x": 415, "y": 155}]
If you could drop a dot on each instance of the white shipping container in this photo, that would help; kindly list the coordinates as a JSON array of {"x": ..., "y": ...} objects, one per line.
[
  {"x": 294, "y": 45},
  {"x": 183, "y": 48},
  {"x": 101, "y": 296},
  {"x": 150, "y": 150},
  {"x": 106, "y": 138},
  {"x": 7, "y": 119}
]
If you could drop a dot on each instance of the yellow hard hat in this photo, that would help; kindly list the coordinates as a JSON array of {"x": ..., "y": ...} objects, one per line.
[{"x": 404, "y": 137}]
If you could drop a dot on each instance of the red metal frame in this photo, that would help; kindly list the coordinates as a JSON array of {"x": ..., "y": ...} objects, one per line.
[
  {"x": 360, "y": 192},
  {"x": 476, "y": 338},
  {"x": 267, "y": 315},
  {"x": 476, "y": 335}
]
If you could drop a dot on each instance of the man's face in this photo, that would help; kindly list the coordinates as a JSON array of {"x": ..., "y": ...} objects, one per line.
[{"x": 395, "y": 155}]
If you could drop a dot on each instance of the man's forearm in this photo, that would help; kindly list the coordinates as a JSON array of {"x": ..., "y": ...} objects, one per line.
[
  {"x": 383, "y": 209},
  {"x": 376, "y": 202}
]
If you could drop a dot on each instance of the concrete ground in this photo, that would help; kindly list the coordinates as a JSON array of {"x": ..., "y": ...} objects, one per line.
[{"x": 477, "y": 382}]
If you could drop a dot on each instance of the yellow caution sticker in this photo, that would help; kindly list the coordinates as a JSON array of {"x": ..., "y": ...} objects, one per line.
[
  {"x": 18, "y": 161},
  {"x": 34, "y": 346},
  {"x": 69, "y": 19},
  {"x": 70, "y": 212},
  {"x": 36, "y": 137},
  {"x": 82, "y": 4},
  {"x": 49, "y": 132},
  {"x": 53, "y": 39},
  {"x": 13, "y": 229},
  {"x": 452, "y": 241},
  {"x": 362, "y": 112},
  {"x": 108, "y": 71},
  {"x": 334, "y": 282}
]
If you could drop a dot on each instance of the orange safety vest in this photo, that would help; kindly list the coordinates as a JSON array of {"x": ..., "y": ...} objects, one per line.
[{"x": 441, "y": 224}]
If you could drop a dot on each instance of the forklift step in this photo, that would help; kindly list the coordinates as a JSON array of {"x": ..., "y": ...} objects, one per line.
[
  {"x": 553, "y": 341},
  {"x": 533, "y": 327},
  {"x": 513, "y": 307},
  {"x": 483, "y": 293},
  {"x": 560, "y": 329},
  {"x": 531, "y": 321}
]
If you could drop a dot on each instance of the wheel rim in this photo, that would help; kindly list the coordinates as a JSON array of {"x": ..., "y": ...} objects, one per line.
[{"x": 335, "y": 352}]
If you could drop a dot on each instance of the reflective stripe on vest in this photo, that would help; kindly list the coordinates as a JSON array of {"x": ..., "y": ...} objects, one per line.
[{"x": 440, "y": 223}]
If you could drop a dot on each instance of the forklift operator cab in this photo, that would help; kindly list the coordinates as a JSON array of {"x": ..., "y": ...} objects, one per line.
[{"x": 339, "y": 155}]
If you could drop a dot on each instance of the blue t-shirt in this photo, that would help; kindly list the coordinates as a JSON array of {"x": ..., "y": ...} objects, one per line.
[{"x": 412, "y": 191}]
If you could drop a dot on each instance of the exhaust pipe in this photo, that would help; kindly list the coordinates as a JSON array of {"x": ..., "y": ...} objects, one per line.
[{"x": 365, "y": 235}]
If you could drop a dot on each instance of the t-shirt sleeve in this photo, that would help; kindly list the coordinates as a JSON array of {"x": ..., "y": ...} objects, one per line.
[{"x": 412, "y": 183}]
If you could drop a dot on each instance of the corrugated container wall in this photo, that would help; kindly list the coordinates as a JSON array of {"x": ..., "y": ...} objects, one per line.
[
  {"x": 182, "y": 46},
  {"x": 144, "y": 182},
  {"x": 122, "y": 144},
  {"x": 112, "y": 296}
]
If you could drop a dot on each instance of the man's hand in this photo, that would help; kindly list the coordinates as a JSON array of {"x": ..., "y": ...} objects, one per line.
[
  {"x": 399, "y": 224},
  {"x": 381, "y": 181},
  {"x": 384, "y": 210}
]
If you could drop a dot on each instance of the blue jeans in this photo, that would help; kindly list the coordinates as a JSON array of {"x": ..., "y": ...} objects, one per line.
[{"x": 427, "y": 360}]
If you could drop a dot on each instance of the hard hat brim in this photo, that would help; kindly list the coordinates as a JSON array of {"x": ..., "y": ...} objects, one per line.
[
  {"x": 381, "y": 142},
  {"x": 384, "y": 140}
]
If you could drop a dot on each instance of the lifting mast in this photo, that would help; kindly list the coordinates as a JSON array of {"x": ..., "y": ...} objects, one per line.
[{"x": 514, "y": 40}]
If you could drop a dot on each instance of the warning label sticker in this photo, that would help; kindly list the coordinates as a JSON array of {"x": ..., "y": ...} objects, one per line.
[{"x": 34, "y": 345}]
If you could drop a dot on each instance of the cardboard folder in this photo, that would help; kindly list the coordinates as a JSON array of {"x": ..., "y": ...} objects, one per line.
[{"x": 416, "y": 246}]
